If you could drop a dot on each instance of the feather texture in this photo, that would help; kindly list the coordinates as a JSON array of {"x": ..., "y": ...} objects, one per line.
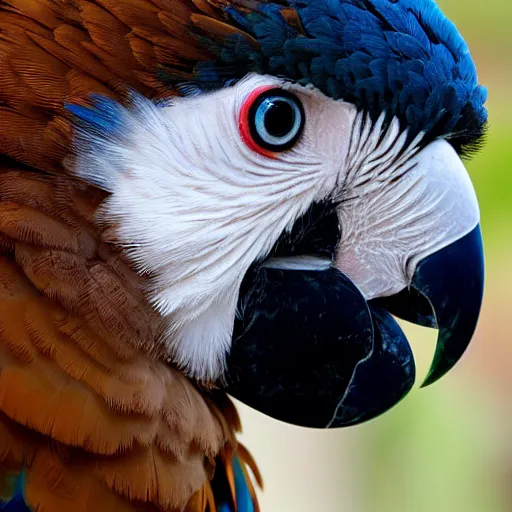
[
  {"x": 89, "y": 409},
  {"x": 88, "y": 401}
]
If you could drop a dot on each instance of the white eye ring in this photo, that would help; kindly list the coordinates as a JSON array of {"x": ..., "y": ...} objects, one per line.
[
  {"x": 270, "y": 125},
  {"x": 276, "y": 120}
]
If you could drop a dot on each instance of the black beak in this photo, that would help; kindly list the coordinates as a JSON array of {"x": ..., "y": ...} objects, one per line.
[
  {"x": 308, "y": 348},
  {"x": 446, "y": 294}
]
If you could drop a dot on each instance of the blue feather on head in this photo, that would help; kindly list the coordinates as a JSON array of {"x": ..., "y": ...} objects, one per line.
[{"x": 403, "y": 57}]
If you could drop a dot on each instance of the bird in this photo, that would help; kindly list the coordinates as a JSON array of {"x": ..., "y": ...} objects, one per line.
[{"x": 206, "y": 199}]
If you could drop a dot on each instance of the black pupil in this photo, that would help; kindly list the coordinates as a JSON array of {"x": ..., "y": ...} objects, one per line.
[{"x": 279, "y": 118}]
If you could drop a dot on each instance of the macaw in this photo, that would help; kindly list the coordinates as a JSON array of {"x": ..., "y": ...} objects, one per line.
[{"x": 203, "y": 198}]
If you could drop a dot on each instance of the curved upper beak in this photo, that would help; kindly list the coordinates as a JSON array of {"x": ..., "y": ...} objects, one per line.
[
  {"x": 320, "y": 347},
  {"x": 446, "y": 294},
  {"x": 457, "y": 302},
  {"x": 333, "y": 359}
]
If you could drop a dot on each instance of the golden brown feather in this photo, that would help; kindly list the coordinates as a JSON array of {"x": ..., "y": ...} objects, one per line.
[{"x": 87, "y": 404}]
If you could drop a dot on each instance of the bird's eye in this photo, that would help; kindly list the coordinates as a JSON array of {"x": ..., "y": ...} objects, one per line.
[{"x": 271, "y": 120}]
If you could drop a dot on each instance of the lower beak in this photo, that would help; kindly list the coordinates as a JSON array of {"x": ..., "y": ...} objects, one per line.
[{"x": 310, "y": 350}]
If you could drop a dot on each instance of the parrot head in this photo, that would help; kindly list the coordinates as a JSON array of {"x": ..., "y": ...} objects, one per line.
[{"x": 304, "y": 186}]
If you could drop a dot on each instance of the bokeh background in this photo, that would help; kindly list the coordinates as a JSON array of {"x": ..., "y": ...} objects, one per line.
[{"x": 447, "y": 448}]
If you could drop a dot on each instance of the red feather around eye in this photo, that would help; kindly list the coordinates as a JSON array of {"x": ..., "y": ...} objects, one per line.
[
  {"x": 244, "y": 122},
  {"x": 271, "y": 120}
]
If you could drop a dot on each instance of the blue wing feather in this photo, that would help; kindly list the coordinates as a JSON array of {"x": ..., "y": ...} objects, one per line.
[
  {"x": 243, "y": 497},
  {"x": 17, "y": 502},
  {"x": 244, "y": 501}
]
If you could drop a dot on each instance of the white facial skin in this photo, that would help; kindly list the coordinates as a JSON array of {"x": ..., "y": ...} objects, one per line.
[
  {"x": 400, "y": 205},
  {"x": 196, "y": 207}
]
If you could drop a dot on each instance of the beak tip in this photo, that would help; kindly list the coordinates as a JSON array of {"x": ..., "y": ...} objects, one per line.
[
  {"x": 432, "y": 377},
  {"x": 456, "y": 312},
  {"x": 440, "y": 366}
]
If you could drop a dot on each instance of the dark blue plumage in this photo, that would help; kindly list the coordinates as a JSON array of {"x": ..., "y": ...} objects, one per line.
[
  {"x": 17, "y": 502},
  {"x": 105, "y": 116},
  {"x": 244, "y": 501},
  {"x": 233, "y": 494},
  {"x": 403, "y": 57}
]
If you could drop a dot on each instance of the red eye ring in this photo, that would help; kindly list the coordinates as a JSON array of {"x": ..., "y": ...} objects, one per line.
[
  {"x": 244, "y": 126},
  {"x": 271, "y": 120}
]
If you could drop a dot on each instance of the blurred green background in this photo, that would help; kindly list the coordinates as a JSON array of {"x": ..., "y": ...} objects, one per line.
[{"x": 447, "y": 448}]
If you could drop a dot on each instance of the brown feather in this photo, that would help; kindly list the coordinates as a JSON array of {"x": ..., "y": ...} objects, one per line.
[
  {"x": 219, "y": 30},
  {"x": 88, "y": 405},
  {"x": 292, "y": 19}
]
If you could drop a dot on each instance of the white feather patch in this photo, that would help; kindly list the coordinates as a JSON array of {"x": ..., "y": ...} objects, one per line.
[{"x": 195, "y": 207}]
